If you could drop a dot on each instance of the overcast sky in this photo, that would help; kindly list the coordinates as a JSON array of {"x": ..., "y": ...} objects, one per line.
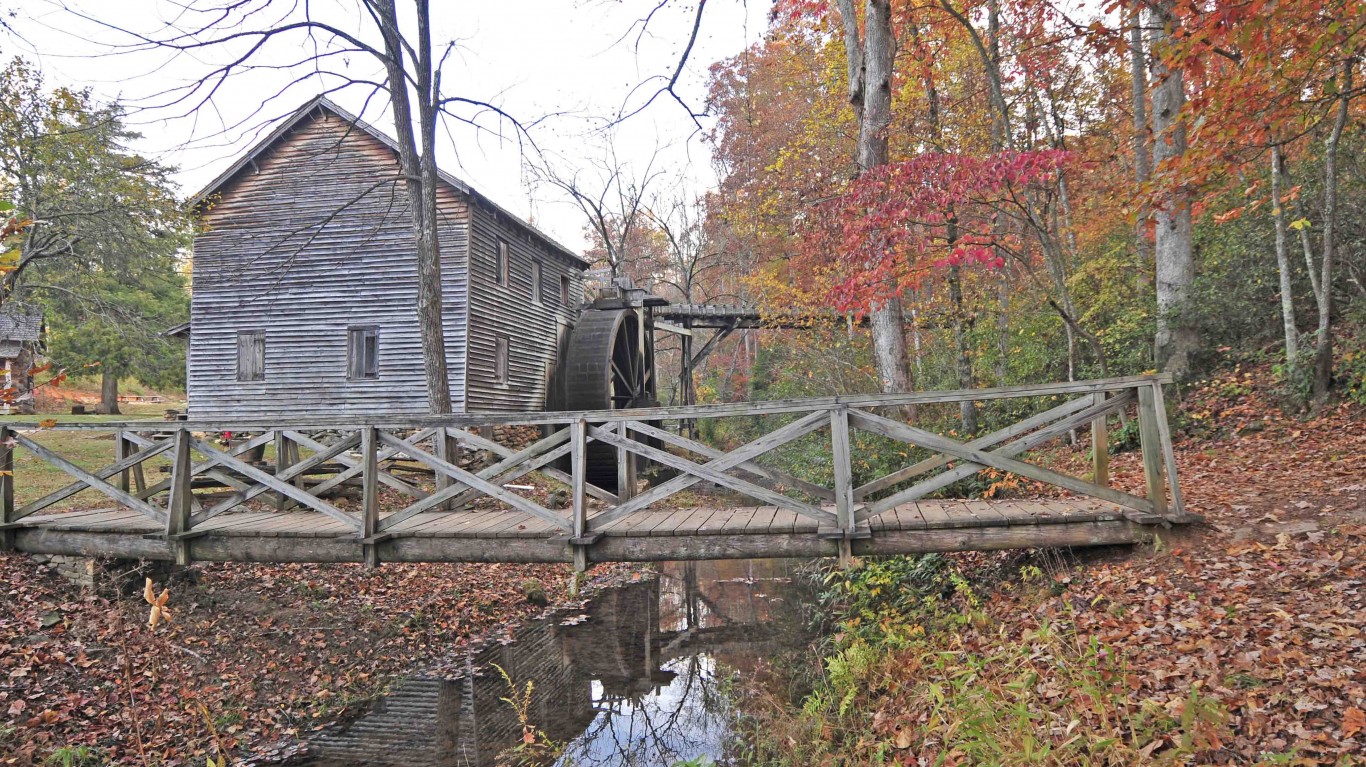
[{"x": 566, "y": 63}]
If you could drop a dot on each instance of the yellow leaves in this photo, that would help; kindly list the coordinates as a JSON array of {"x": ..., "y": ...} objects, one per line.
[
  {"x": 159, "y": 611},
  {"x": 1299, "y": 223}
]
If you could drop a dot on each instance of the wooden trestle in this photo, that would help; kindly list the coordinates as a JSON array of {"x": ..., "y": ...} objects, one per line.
[{"x": 216, "y": 505}]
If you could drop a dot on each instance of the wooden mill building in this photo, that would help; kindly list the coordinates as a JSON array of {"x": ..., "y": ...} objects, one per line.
[{"x": 305, "y": 285}]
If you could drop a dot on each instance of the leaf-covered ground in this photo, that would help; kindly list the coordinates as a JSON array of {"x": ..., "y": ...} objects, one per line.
[
  {"x": 272, "y": 652},
  {"x": 1240, "y": 641}
]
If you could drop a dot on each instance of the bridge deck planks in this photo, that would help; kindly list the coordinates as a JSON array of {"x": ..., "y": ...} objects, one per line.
[{"x": 758, "y": 530}]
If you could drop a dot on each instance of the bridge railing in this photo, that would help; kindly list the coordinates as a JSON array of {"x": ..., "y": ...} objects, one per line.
[{"x": 312, "y": 458}]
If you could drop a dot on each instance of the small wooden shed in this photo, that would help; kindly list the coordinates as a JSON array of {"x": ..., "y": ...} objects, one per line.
[
  {"x": 21, "y": 332},
  {"x": 305, "y": 285}
]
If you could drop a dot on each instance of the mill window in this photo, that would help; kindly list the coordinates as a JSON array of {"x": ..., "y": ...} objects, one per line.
[
  {"x": 500, "y": 360},
  {"x": 251, "y": 355},
  {"x": 501, "y": 264},
  {"x": 362, "y": 352}
]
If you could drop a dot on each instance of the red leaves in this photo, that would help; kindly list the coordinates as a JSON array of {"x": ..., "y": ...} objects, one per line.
[{"x": 896, "y": 221}]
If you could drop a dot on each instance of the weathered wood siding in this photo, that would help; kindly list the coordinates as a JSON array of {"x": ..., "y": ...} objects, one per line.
[
  {"x": 311, "y": 239},
  {"x": 534, "y": 331}
]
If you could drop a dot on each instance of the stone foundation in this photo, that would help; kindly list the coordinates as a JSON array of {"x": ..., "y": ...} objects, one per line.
[{"x": 109, "y": 576}]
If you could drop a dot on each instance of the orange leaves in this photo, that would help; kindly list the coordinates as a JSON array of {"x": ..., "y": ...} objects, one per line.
[
  {"x": 1353, "y": 722},
  {"x": 33, "y": 371},
  {"x": 159, "y": 610}
]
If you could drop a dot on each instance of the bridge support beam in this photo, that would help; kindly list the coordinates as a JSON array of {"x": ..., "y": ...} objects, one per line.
[{"x": 7, "y": 516}]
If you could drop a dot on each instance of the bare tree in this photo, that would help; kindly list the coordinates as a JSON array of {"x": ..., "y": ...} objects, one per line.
[
  {"x": 611, "y": 193},
  {"x": 689, "y": 254},
  {"x": 251, "y": 35}
]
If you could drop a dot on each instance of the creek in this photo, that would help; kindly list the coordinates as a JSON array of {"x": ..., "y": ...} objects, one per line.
[{"x": 638, "y": 675}]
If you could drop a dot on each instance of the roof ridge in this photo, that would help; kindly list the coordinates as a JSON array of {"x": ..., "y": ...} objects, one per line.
[{"x": 321, "y": 100}]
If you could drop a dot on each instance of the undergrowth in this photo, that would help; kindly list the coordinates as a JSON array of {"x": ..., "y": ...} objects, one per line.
[{"x": 919, "y": 673}]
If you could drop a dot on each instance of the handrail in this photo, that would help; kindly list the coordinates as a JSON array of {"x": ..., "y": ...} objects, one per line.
[
  {"x": 626, "y": 433},
  {"x": 655, "y": 414}
]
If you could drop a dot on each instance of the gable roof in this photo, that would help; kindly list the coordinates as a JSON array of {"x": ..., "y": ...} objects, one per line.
[
  {"x": 20, "y": 324},
  {"x": 327, "y": 105}
]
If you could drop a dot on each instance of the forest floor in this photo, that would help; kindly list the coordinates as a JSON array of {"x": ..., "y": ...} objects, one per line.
[
  {"x": 254, "y": 658},
  {"x": 1238, "y": 641}
]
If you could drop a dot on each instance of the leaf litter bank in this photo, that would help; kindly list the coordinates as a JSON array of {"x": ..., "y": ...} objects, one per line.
[
  {"x": 272, "y": 652},
  {"x": 1240, "y": 642}
]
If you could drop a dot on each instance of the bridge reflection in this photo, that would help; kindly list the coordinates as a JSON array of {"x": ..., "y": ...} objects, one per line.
[{"x": 636, "y": 677}]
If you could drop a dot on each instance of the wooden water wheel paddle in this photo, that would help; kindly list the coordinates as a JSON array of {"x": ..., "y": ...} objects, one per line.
[{"x": 608, "y": 365}]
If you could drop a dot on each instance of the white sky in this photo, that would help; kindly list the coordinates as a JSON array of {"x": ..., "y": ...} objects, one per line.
[{"x": 574, "y": 60}]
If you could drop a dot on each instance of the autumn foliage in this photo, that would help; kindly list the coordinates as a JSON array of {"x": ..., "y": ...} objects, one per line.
[{"x": 891, "y": 227}]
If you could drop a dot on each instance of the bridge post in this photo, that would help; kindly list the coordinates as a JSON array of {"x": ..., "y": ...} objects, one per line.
[
  {"x": 447, "y": 449},
  {"x": 179, "y": 502},
  {"x": 282, "y": 462},
  {"x": 1164, "y": 433},
  {"x": 578, "y": 465},
  {"x": 6, "y": 489},
  {"x": 1100, "y": 446},
  {"x": 369, "y": 456},
  {"x": 626, "y": 467},
  {"x": 122, "y": 449},
  {"x": 844, "y": 485},
  {"x": 1150, "y": 441}
]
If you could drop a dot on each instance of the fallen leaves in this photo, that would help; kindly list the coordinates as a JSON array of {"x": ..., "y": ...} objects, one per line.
[
  {"x": 1353, "y": 722},
  {"x": 274, "y": 652}
]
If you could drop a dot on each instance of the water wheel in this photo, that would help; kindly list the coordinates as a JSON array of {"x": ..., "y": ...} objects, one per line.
[{"x": 608, "y": 365}]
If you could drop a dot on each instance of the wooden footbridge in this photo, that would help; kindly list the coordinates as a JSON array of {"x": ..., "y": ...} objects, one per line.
[{"x": 221, "y": 500}]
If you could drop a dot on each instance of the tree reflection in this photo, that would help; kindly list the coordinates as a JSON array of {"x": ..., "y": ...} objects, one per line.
[{"x": 642, "y": 680}]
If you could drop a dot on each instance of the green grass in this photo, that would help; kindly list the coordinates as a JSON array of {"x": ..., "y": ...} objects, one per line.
[{"x": 90, "y": 450}]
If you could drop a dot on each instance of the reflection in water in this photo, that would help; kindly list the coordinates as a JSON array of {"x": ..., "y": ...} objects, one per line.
[{"x": 635, "y": 677}]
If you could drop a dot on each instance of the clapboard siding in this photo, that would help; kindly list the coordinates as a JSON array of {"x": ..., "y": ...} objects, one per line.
[
  {"x": 313, "y": 238},
  {"x": 533, "y": 330}
]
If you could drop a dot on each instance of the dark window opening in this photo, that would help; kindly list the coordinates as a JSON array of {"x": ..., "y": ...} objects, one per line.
[
  {"x": 500, "y": 263},
  {"x": 500, "y": 360},
  {"x": 251, "y": 355},
  {"x": 362, "y": 352},
  {"x": 564, "y": 290}
]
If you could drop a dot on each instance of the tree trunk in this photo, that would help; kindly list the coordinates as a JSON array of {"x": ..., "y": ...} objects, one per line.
[
  {"x": 967, "y": 409},
  {"x": 879, "y": 48},
  {"x": 1178, "y": 337},
  {"x": 109, "y": 392},
  {"x": 1323, "y": 340},
  {"x": 869, "y": 63},
  {"x": 1143, "y": 155},
  {"x": 1292, "y": 335},
  {"x": 420, "y": 177}
]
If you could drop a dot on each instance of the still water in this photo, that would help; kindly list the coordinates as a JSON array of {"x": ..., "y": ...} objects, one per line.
[{"x": 637, "y": 676}]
